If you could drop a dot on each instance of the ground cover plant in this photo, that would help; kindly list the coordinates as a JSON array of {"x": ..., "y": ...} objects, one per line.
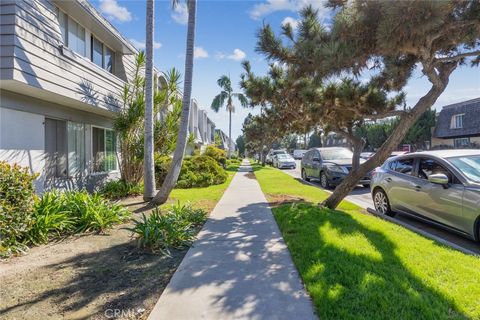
[
  {"x": 64, "y": 213},
  {"x": 357, "y": 266},
  {"x": 175, "y": 228}
]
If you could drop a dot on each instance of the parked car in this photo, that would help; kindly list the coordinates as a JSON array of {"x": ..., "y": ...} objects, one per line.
[
  {"x": 397, "y": 153},
  {"x": 330, "y": 165},
  {"x": 441, "y": 187},
  {"x": 271, "y": 153},
  {"x": 366, "y": 155},
  {"x": 282, "y": 161},
  {"x": 298, "y": 154}
]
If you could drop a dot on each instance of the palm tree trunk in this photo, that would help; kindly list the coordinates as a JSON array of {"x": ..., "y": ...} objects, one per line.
[
  {"x": 176, "y": 166},
  {"x": 148, "y": 169},
  {"x": 230, "y": 133}
]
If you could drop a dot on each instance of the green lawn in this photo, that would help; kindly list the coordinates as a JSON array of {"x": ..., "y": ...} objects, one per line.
[
  {"x": 357, "y": 266},
  {"x": 205, "y": 198}
]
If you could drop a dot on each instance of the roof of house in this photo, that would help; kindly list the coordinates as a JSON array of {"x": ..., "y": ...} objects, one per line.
[{"x": 471, "y": 120}]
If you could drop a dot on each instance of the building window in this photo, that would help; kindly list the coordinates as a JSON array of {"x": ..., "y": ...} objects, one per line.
[
  {"x": 65, "y": 148},
  {"x": 73, "y": 34},
  {"x": 76, "y": 37},
  {"x": 462, "y": 142},
  {"x": 76, "y": 148},
  {"x": 63, "y": 22},
  {"x": 104, "y": 147},
  {"x": 102, "y": 55},
  {"x": 457, "y": 121},
  {"x": 96, "y": 54}
]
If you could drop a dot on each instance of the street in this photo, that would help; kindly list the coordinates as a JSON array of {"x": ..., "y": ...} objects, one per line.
[{"x": 361, "y": 196}]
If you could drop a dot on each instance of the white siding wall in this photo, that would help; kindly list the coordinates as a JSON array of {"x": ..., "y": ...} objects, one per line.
[
  {"x": 22, "y": 141},
  {"x": 37, "y": 59}
]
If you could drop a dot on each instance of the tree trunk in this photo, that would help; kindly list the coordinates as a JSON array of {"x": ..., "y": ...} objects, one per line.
[
  {"x": 148, "y": 166},
  {"x": 229, "y": 132},
  {"x": 176, "y": 166},
  {"x": 406, "y": 121},
  {"x": 357, "y": 149}
]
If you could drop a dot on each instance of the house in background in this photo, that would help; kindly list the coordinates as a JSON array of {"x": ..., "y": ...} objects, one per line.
[
  {"x": 458, "y": 126},
  {"x": 63, "y": 67}
]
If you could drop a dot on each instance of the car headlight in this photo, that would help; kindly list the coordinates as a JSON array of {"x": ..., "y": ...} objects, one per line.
[{"x": 336, "y": 169}]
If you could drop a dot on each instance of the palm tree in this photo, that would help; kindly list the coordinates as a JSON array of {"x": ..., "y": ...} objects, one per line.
[
  {"x": 172, "y": 176},
  {"x": 227, "y": 95},
  {"x": 149, "y": 170}
]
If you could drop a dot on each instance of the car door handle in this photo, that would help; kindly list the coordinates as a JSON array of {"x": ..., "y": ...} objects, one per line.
[{"x": 388, "y": 179}]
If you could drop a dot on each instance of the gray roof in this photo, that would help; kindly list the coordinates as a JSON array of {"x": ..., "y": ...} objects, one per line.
[{"x": 471, "y": 120}]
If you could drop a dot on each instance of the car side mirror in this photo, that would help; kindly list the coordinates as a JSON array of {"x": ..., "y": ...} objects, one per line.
[
  {"x": 316, "y": 159},
  {"x": 438, "y": 178}
]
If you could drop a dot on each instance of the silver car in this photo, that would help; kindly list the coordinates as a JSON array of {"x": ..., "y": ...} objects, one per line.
[
  {"x": 282, "y": 161},
  {"x": 440, "y": 187}
]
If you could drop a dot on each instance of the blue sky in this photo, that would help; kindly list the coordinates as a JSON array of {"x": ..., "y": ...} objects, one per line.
[{"x": 225, "y": 35}]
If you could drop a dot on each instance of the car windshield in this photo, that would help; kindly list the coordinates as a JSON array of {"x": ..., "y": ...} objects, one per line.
[
  {"x": 279, "y": 152},
  {"x": 283, "y": 156},
  {"x": 336, "y": 154},
  {"x": 468, "y": 165}
]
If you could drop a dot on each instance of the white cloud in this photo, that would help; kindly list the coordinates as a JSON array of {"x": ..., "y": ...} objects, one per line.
[
  {"x": 237, "y": 55},
  {"x": 270, "y": 6},
  {"x": 140, "y": 45},
  {"x": 180, "y": 13},
  {"x": 113, "y": 11},
  {"x": 293, "y": 22},
  {"x": 200, "y": 53}
]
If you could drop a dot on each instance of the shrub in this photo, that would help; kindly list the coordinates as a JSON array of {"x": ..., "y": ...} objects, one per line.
[
  {"x": 92, "y": 212},
  {"x": 17, "y": 199},
  {"x": 50, "y": 219},
  {"x": 120, "y": 189},
  {"x": 66, "y": 213},
  {"x": 200, "y": 171},
  {"x": 197, "y": 171},
  {"x": 162, "y": 165},
  {"x": 174, "y": 229},
  {"x": 217, "y": 154},
  {"x": 235, "y": 162},
  {"x": 195, "y": 216}
]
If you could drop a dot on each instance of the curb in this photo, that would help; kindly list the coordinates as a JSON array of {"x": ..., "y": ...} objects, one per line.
[{"x": 423, "y": 233}]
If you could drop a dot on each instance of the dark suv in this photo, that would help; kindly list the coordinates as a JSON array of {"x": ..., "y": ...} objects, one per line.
[{"x": 329, "y": 165}]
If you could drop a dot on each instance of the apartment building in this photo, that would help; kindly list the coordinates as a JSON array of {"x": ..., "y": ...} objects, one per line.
[
  {"x": 226, "y": 142},
  {"x": 63, "y": 67},
  {"x": 201, "y": 127},
  {"x": 458, "y": 125}
]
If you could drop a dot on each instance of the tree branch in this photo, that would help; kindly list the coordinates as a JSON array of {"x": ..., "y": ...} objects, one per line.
[
  {"x": 457, "y": 57},
  {"x": 392, "y": 113}
]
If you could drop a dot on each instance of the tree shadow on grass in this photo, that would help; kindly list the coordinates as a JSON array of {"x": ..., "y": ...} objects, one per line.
[
  {"x": 120, "y": 277},
  {"x": 347, "y": 282}
]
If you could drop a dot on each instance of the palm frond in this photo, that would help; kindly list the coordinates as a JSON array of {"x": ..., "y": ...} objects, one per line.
[
  {"x": 242, "y": 99},
  {"x": 225, "y": 83},
  {"x": 219, "y": 101}
]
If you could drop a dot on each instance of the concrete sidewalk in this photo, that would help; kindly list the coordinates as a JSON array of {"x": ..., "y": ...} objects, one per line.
[{"x": 239, "y": 268}]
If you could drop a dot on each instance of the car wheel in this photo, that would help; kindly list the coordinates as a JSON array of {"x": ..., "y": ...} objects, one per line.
[
  {"x": 324, "y": 180},
  {"x": 381, "y": 202},
  {"x": 304, "y": 175}
]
